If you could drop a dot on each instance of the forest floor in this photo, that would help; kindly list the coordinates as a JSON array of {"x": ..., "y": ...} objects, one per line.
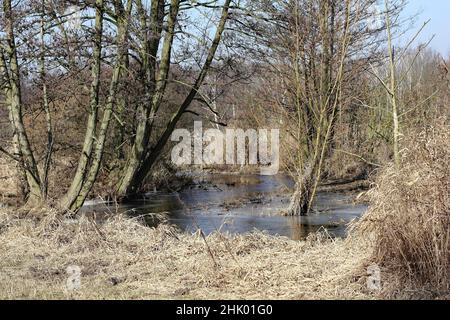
[{"x": 122, "y": 259}]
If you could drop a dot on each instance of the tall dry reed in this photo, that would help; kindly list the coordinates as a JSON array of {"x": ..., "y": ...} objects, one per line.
[{"x": 409, "y": 216}]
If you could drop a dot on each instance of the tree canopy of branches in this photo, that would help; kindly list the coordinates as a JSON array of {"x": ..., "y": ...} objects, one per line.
[{"x": 44, "y": 43}]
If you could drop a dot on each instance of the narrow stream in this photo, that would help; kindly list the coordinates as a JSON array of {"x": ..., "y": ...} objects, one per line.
[{"x": 240, "y": 204}]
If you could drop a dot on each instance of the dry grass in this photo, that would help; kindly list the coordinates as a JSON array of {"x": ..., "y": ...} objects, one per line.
[
  {"x": 8, "y": 177},
  {"x": 406, "y": 232},
  {"x": 122, "y": 259},
  {"x": 409, "y": 218}
]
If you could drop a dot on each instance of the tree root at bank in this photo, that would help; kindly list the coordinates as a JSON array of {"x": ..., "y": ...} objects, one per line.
[
  {"x": 303, "y": 194},
  {"x": 299, "y": 202}
]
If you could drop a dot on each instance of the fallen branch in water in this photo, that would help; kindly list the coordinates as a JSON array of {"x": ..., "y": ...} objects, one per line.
[{"x": 346, "y": 186}]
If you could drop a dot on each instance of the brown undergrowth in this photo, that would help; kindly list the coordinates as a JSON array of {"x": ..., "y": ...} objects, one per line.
[
  {"x": 409, "y": 218},
  {"x": 123, "y": 259}
]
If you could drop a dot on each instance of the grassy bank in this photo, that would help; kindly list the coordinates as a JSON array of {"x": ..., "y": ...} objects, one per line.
[{"x": 123, "y": 259}]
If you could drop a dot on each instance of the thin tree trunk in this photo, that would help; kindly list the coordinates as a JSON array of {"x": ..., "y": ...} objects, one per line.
[
  {"x": 46, "y": 107},
  {"x": 15, "y": 100},
  {"x": 21, "y": 172},
  {"x": 393, "y": 89},
  {"x": 133, "y": 185},
  {"x": 147, "y": 111},
  {"x": 123, "y": 22},
  {"x": 306, "y": 187},
  {"x": 80, "y": 175},
  {"x": 123, "y": 99}
]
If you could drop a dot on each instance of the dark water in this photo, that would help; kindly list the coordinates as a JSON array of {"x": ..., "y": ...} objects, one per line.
[{"x": 243, "y": 203}]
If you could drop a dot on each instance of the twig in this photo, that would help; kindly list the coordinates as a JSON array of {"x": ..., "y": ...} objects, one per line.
[
  {"x": 9, "y": 155},
  {"x": 360, "y": 157}
]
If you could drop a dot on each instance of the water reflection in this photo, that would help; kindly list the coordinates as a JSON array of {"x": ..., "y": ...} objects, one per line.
[{"x": 243, "y": 203}]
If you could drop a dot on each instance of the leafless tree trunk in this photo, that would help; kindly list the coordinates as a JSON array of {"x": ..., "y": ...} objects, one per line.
[
  {"x": 12, "y": 73},
  {"x": 82, "y": 170},
  {"x": 143, "y": 158}
]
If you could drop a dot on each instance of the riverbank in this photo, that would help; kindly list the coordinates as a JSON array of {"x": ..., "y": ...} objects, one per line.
[
  {"x": 122, "y": 259},
  {"x": 404, "y": 235}
]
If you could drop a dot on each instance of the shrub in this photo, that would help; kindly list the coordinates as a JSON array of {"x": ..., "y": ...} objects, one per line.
[{"x": 409, "y": 216}]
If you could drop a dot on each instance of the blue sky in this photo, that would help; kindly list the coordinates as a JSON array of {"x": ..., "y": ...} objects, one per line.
[{"x": 439, "y": 13}]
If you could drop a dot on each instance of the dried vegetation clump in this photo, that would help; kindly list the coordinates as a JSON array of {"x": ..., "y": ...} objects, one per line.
[
  {"x": 123, "y": 259},
  {"x": 409, "y": 218}
]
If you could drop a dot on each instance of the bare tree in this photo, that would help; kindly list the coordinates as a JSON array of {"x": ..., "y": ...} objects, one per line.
[
  {"x": 314, "y": 52},
  {"x": 112, "y": 37},
  {"x": 142, "y": 157}
]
